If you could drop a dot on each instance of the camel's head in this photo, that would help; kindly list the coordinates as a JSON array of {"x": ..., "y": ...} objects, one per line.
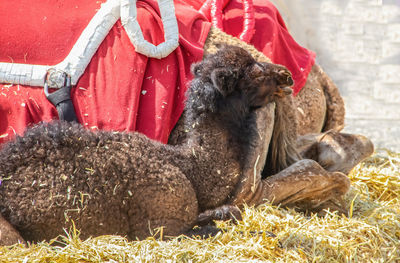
[
  {"x": 266, "y": 82},
  {"x": 233, "y": 75}
]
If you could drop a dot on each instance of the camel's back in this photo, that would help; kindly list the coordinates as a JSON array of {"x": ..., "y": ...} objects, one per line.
[{"x": 61, "y": 170}]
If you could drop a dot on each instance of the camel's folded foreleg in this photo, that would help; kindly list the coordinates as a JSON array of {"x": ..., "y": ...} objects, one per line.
[
  {"x": 307, "y": 186},
  {"x": 335, "y": 151},
  {"x": 304, "y": 185}
]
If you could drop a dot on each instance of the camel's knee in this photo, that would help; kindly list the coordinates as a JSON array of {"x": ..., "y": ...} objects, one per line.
[
  {"x": 342, "y": 152},
  {"x": 336, "y": 151}
]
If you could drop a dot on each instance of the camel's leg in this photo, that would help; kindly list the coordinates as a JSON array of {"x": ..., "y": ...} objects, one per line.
[
  {"x": 225, "y": 213},
  {"x": 8, "y": 234},
  {"x": 246, "y": 190},
  {"x": 205, "y": 221},
  {"x": 306, "y": 186},
  {"x": 206, "y": 224},
  {"x": 335, "y": 151},
  {"x": 163, "y": 199}
]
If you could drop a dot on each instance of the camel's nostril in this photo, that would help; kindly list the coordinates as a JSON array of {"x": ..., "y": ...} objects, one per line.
[
  {"x": 285, "y": 77},
  {"x": 289, "y": 81}
]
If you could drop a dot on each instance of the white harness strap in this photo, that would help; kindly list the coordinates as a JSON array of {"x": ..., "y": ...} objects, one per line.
[{"x": 90, "y": 39}]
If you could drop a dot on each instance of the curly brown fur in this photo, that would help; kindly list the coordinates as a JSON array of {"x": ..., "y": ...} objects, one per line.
[
  {"x": 335, "y": 110},
  {"x": 310, "y": 104},
  {"x": 216, "y": 37},
  {"x": 8, "y": 234},
  {"x": 127, "y": 184},
  {"x": 105, "y": 182},
  {"x": 319, "y": 106}
]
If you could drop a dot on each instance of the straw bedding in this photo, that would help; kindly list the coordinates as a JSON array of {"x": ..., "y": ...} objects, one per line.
[{"x": 370, "y": 234}]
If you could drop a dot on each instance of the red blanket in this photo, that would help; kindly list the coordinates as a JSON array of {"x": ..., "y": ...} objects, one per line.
[{"x": 122, "y": 90}]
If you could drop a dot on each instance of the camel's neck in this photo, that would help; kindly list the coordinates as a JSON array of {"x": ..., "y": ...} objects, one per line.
[
  {"x": 217, "y": 158},
  {"x": 209, "y": 134}
]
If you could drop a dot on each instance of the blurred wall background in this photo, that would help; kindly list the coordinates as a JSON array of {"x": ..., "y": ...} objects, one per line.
[{"x": 358, "y": 44}]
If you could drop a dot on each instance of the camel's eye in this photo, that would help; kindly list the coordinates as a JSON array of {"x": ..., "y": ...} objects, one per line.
[
  {"x": 256, "y": 70},
  {"x": 260, "y": 80}
]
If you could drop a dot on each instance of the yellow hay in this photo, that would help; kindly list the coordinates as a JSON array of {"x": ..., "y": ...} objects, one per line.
[{"x": 370, "y": 234}]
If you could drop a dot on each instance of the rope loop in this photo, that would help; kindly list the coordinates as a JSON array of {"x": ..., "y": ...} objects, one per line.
[
  {"x": 171, "y": 33},
  {"x": 248, "y": 18}
]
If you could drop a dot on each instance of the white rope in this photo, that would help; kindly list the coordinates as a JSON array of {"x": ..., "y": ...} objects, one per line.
[
  {"x": 132, "y": 28},
  {"x": 87, "y": 44}
]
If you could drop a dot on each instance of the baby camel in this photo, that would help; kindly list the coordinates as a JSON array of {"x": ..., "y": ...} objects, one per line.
[{"x": 127, "y": 184}]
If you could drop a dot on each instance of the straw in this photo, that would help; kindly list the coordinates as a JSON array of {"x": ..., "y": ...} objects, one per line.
[{"x": 370, "y": 234}]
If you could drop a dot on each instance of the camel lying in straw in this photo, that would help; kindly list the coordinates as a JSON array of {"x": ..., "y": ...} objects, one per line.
[
  {"x": 303, "y": 127},
  {"x": 60, "y": 173},
  {"x": 223, "y": 115}
]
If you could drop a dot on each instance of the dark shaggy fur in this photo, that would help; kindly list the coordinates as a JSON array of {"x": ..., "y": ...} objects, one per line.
[{"x": 127, "y": 184}]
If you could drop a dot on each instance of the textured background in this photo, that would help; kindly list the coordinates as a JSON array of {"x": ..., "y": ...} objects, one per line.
[{"x": 358, "y": 44}]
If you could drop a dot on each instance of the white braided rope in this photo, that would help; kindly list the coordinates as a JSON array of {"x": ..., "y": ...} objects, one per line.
[
  {"x": 132, "y": 28},
  {"x": 87, "y": 44}
]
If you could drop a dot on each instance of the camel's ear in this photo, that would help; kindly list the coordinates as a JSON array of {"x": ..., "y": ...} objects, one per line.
[{"x": 223, "y": 80}]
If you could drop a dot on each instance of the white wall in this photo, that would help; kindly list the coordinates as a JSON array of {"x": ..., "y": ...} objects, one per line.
[{"x": 358, "y": 44}]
